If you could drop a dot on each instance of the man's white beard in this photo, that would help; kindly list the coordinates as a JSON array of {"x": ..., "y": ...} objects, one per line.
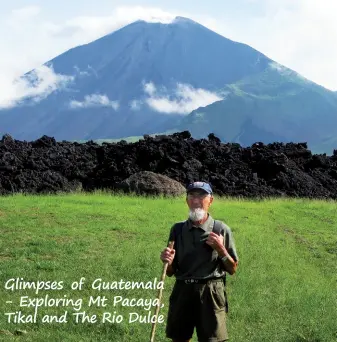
[{"x": 197, "y": 214}]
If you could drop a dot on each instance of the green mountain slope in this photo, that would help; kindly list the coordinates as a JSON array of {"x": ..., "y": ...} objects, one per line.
[{"x": 274, "y": 105}]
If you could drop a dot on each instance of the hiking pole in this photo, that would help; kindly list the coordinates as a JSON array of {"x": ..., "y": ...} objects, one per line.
[{"x": 160, "y": 292}]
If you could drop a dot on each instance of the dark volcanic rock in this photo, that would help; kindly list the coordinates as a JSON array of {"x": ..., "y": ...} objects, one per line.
[
  {"x": 150, "y": 183},
  {"x": 261, "y": 170}
]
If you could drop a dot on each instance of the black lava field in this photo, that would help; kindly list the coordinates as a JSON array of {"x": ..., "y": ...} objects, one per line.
[{"x": 277, "y": 169}]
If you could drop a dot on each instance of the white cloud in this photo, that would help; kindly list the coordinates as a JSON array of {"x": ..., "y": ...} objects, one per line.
[
  {"x": 81, "y": 72},
  {"x": 20, "y": 53},
  {"x": 136, "y": 105},
  {"x": 36, "y": 86},
  {"x": 184, "y": 99},
  {"x": 149, "y": 88},
  {"x": 94, "y": 100},
  {"x": 25, "y": 13},
  {"x": 86, "y": 28},
  {"x": 283, "y": 70}
]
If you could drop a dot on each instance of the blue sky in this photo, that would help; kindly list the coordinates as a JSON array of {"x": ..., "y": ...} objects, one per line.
[{"x": 300, "y": 34}]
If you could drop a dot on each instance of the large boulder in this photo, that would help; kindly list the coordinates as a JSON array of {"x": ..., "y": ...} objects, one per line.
[{"x": 150, "y": 183}]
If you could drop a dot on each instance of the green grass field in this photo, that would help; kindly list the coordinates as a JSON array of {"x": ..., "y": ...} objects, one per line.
[{"x": 284, "y": 290}]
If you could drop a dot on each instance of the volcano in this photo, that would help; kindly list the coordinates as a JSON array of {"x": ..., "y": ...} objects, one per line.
[{"x": 148, "y": 78}]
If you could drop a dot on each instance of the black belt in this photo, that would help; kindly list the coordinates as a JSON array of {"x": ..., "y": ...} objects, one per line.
[{"x": 197, "y": 281}]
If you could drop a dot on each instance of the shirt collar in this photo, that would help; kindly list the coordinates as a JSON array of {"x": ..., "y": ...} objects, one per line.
[{"x": 205, "y": 226}]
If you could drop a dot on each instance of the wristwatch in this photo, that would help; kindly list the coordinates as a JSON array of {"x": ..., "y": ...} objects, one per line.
[{"x": 224, "y": 258}]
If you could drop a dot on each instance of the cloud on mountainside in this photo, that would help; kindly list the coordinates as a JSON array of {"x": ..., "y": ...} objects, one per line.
[
  {"x": 94, "y": 100},
  {"x": 183, "y": 100},
  {"x": 88, "y": 28},
  {"x": 36, "y": 86},
  {"x": 19, "y": 53},
  {"x": 284, "y": 71},
  {"x": 136, "y": 105}
]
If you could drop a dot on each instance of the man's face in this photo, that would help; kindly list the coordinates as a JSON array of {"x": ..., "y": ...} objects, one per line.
[{"x": 199, "y": 199}]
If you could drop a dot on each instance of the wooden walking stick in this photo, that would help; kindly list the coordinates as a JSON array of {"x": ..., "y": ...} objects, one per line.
[{"x": 160, "y": 292}]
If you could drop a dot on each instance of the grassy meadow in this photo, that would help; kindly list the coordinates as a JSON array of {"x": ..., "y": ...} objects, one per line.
[{"x": 284, "y": 289}]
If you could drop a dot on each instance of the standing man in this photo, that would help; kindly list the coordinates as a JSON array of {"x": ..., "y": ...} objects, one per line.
[{"x": 199, "y": 260}]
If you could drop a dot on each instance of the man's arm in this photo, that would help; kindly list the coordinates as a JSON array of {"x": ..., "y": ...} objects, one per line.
[
  {"x": 225, "y": 247},
  {"x": 168, "y": 255},
  {"x": 228, "y": 252},
  {"x": 229, "y": 264},
  {"x": 170, "y": 271}
]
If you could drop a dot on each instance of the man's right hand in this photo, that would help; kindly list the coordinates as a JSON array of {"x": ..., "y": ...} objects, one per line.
[{"x": 167, "y": 255}]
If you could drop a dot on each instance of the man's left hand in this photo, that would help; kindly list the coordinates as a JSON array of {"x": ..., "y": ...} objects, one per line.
[{"x": 215, "y": 241}]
